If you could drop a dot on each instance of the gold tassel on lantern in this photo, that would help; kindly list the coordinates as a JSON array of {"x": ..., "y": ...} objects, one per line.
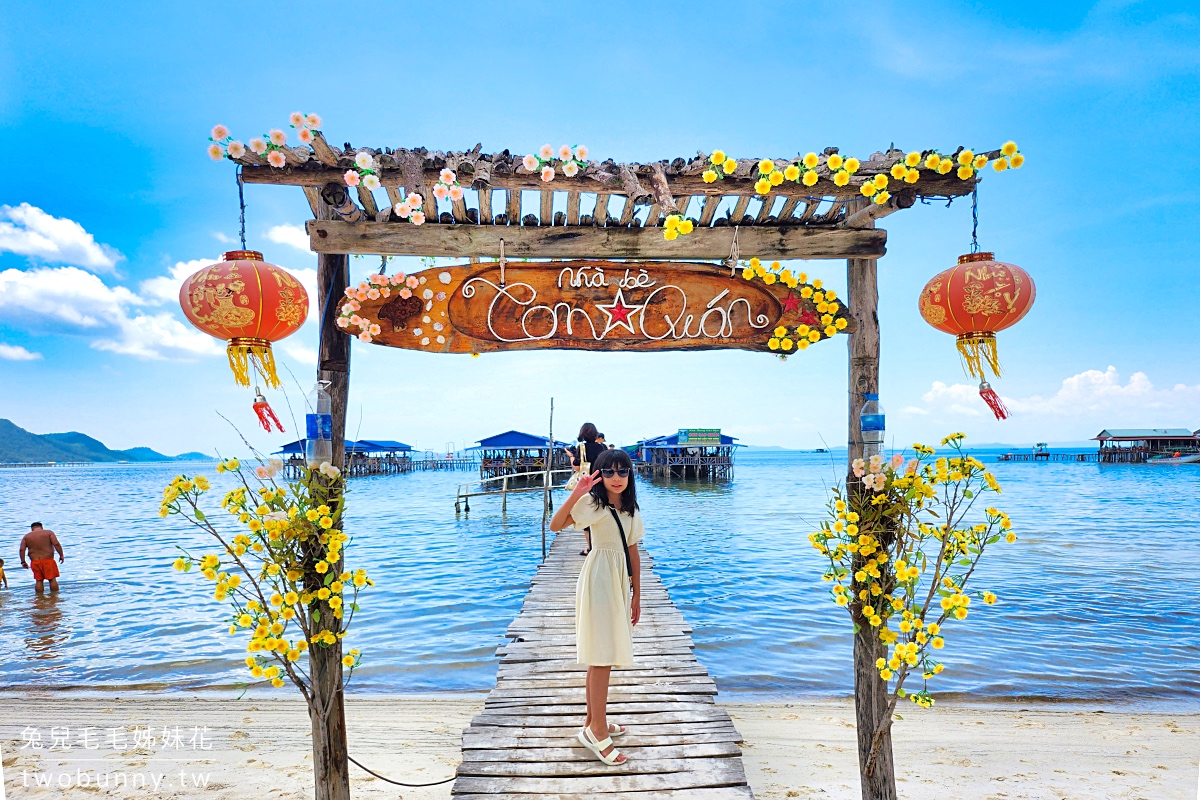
[
  {"x": 247, "y": 354},
  {"x": 977, "y": 349}
]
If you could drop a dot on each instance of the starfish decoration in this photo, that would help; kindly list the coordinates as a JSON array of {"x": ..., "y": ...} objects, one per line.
[
  {"x": 791, "y": 303},
  {"x": 619, "y": 314},
  {"x": 809, "y": 318}
]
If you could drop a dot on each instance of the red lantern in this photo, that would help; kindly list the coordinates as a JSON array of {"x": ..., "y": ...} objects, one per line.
[
  {"x": 974, "y": 300},
  {"x": 250, "y": 304}
]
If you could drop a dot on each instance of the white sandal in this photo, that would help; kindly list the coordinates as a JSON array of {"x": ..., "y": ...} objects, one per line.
[{"x": 587, "y": 738}]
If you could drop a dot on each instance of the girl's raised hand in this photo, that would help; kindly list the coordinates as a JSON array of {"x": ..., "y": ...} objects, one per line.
[{"x": 586, "y": 483}]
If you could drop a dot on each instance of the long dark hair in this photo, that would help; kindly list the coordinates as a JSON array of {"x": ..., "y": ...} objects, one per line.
[
  {"x": 587, "y": 433},
  {"x": 614, "y": 459}
]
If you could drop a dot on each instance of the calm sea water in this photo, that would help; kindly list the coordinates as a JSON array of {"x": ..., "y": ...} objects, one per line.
[{"x": 1098, "y": 598}]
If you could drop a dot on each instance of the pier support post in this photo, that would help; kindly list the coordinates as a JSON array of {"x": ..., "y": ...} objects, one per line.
[
  {"x": 331, "y": 767},
  {"x": 870, "y": 691}
]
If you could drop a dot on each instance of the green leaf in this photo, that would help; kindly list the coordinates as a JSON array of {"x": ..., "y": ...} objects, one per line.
[
  {"x": 316, "y": 615},
  {"x": 964, "y": 562},
  {"x": 897, "y": 716},
  {"x": 354, "y": 606},
  {"x": 200, "y": 515},
  {"x": 967, "y": 493},
  {"x": 901, "y": 693},
  {"x": 329, "y": 577}
]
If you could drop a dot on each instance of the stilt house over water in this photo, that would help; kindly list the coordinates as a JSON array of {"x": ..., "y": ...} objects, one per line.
[
  {"x": 1136, "y": 445},
  {"x": 703, "y": 453},
  {"x": 364, "y": 457},
  {"x": 513, "y": 452}
]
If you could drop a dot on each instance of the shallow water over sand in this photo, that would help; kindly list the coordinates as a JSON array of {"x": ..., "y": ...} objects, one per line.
[{"x": 1097, "y": 598}]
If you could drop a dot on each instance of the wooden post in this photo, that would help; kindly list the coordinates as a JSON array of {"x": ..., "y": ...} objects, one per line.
[
  {"x": 870, "y": 691},
  {"x": 504, "y": 497},
  {"x": 331, "y": 768}
]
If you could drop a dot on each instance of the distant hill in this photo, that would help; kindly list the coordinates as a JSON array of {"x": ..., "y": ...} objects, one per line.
[{"x": 19, "y": 445}]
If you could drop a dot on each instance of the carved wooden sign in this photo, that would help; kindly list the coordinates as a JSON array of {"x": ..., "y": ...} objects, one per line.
[{"x": 592, "y": 305}]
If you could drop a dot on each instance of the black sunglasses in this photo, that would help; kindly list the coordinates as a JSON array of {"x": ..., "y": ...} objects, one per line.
[{"x": 610, "y": 472}]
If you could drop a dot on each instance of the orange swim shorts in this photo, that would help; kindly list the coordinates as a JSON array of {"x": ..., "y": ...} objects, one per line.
[{"x": 44, "y": 569}]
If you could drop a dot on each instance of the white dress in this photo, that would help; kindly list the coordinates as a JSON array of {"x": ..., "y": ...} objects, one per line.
[{"x": 603, "y": 629}]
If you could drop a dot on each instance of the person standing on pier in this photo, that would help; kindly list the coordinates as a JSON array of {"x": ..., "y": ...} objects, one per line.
[
  {"x": 605, "y": 609},
  {"x": 40, "y": 545},
  {"x": 591, "y": 445}
]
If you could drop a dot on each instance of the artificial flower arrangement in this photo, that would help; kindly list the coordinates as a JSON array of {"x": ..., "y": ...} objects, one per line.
[
  {"x": 903, "y": 542},
  {"x": 570, "y": 160},
  {"x": 270, "y": 145},
  {"x": 407, "y": 287},
  {"x": 281, "y": 570},
  {"x": 816, "y": 312}
]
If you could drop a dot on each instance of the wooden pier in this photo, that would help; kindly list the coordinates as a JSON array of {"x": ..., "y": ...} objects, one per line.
[
  {"x": 680, "y": 743},
  {"x": 1080, "y": 457}
]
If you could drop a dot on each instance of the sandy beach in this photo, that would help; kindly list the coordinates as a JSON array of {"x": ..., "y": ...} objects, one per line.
[{"x": 259, "y": 748}]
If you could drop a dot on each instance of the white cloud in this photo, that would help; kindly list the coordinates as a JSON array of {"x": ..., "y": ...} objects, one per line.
[
  {"x": 12, "y": 352},
  {"x": 27, "y": 230},
  {"x": 305, "y": 355},
  {"x": 54, "y": 299},
  {"x": 1090, "y": 398},
  {"x": 291, "y": 235},
  {"x": 165, "y": 288},
  {"x": 224, "y": 238}
]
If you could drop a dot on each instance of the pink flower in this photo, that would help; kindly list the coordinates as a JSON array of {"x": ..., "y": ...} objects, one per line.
[
  {"x": 236, "y": 149},
  {"x": 313, "y": 121},
  {"x": 581, "y": 152},
  {"x": 278, "y": 137},
  {"x": 356, "y": 320},
  {"x": 405, "y": 293},
  {"x": 412, "y": 282},
  {"x": 360, "y": 295},
  {"x": 275, "y": 159},
  {"x": 447, "y": 176},
  {"x": 398, "y": 279},
  {"x": 258, "y": 145},
  {"x": 911, "y": 467},
  {"x": 215, "y": 152},
  {"x": 351, "y": 178},
  {"x": 371, "y": 182},
  {"x": 530, "y": 162},
  {"x": 364, "y": 323},
  {"x": 564, "y": 152},
  {"x": 354, "y": 305},
  {"x": 570, "y": 169},
  {"x": 306, "y": 135},
  {"x": 385, "y": 291},
  {"x": 296, "y": 119},
  {"x": 363, "y": 286},
  {"x": 374, "y": 330},
  {"x": 372, "y": 294},
  {"x": 897, "y": 461},
  {"x": 348, "y": 309},
  {"x": 374, "y": 279},
  {"x": 342, "y": 322},
  {"x": 219, "y": 132},
  {"x": 413, "y": 200},
  {"x": 402, "y": 210},
  {"x": 546, "y": 152},
  {"x": 364, "y": 336},
  {"x": 456, "y": 193},
  {"x": 418, "y": 218},
  {"x": 547, "y": 174},
  {"x": 859, "y": 467},
  {"x": 440, "y": 191},
  {"x": 349, "y": 291}
]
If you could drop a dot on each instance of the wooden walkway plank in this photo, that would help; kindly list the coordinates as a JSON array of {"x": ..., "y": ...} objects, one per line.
[{"x": 680, "y": 744}]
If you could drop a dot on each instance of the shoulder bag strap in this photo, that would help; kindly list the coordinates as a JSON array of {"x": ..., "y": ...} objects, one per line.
[{"x": 624, "y": 544}]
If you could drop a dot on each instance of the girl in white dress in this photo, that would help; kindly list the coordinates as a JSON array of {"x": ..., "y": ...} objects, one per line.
[{"x": 605, "y": 611}]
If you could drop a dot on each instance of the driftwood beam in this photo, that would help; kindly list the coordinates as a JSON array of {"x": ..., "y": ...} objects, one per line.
[
  {"x": 662, "y": 192},
  {"x": 865, "y": 217},
  {"x": 775, "y": 241},
  {"x": 324, "y": 153}
]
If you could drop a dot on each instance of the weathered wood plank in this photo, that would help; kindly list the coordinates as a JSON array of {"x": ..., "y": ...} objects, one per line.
[{"x": 774, "y": 241}]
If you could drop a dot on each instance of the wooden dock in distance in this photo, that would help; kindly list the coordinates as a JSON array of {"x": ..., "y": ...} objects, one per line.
[{"x": 680, "y": 743}]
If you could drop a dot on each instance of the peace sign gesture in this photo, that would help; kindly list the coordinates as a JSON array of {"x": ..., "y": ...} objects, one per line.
[{"x": 585, "y": 484}]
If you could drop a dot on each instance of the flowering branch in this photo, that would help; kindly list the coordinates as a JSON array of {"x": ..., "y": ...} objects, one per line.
[{"x": 570, "y": 160}]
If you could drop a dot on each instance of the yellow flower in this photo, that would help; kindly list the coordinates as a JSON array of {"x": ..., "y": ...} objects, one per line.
[
  {"x": 748, "y": 274},
  {"x": 912, "y": 159},
  {"x": 321, "y": 567},
  {"x": 277, "y": 682},
  {"x": 762, "y": 186},
  {"x": 180, "y": 564},
  {"x": 810, "y": 178},
  {"x": 938, "y": 643},
  {"x": 670, "y": 234},
  {"x": 802, "y": 330},
  {"x": 868, "y": 189},
  {"x": 852, "y": 165},
  {"x": 966, "y": 157},
  {"x": 1017, "y": 160},
  {"x": 293, "y": 655},
  {"x": 686, "y": 226},
  {"x": 326, "y": 522},
  {"x": 1000, "y": 164},
  {"x": 834, "y": 161},
  {"x": 769, "y": 278},
  {"x": 1010, "y": 537},
  {"x": 830, "y": 331},
  {"x": 965, "y": 173},
  {"x": 898, "y": 171},
  {"x": 1009, "y": 148},
  {"x": 347, "y": 661},
  {"x": 932, "y": 161},
  {"x": 766, "y": 166},
  {"x": 989, "y": 598},
  {"x": 776, "y": 178},
  {"x": 792, "y": 172},
  {"x": 881, "y": 181},
  {"x": 882, "y": 197},
  {"x": 291, "y": 598},
  {"x": 945, "y": 166},
  {"x": 671, "y": 222},
  {"x": 717, "y": 157},
  {"x": 202, "y": 483},
  {"x": 729, "y": 166},
  {"x": 911, "y": 176},
  {"x": 293, "y": 575},
  {"x": 934, "y": 629},
  {"x": 980, "y": 162},
  {"x": 786, "y": 344},
  {"x": 841, "y": 177},
  {"x": 840, "y": 324},
  {"x": 780, "y": 332},
  {"x": 806, "y": 292},
  {"x": 814, "y": 336},
  {"x": 710, "y": 176},
  {"x": 810, "y": 160},
  {"x": 773, "y": 343},
  {"x": 886, "y": 674}
]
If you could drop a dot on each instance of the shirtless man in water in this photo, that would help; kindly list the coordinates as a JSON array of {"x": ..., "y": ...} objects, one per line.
[{"x": 41, "y": 545}]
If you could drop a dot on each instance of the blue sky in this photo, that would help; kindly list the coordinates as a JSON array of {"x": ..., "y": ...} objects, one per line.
[{"x": 105, "y": 110}]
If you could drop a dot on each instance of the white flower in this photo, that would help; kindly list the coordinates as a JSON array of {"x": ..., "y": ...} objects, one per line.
[
  {"x": 275, "y": 464},
  {"x": 859, "y": 467},
  {"x": 564, "y": 152},
  {"x": 296, "y": 119},
  {"x": 446, "y": 176},
  {"x": 371, "y": 182},
  {"x": 278, "y": 137},
  {"x": 581, "y": 152},
  {"x": 258, "y": 145},
  {"x": 236, "y": 149},
  {"x": 343, "y": 322},
  {"x": 363, "y": 160},
  {"x": 313, "y": 121},
  {"x": 418, "y": 218},
  {"x": 570, "y": 169},
  {"x": 403, "y": 210},
  {"x": 277, "y": 516},
  {"x": 530, "y": 162},
  {"x": 546, "y": 152},
  {"x": 413, "y": 200}
]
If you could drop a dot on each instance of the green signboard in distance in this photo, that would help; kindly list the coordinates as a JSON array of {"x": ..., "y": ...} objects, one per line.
[{"x": 700, "y": 436}]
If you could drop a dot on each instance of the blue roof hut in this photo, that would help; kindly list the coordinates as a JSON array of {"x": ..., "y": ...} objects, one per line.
[
  {"x": 696, "y": 453},
  {"x": 514, "y": 452}
]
